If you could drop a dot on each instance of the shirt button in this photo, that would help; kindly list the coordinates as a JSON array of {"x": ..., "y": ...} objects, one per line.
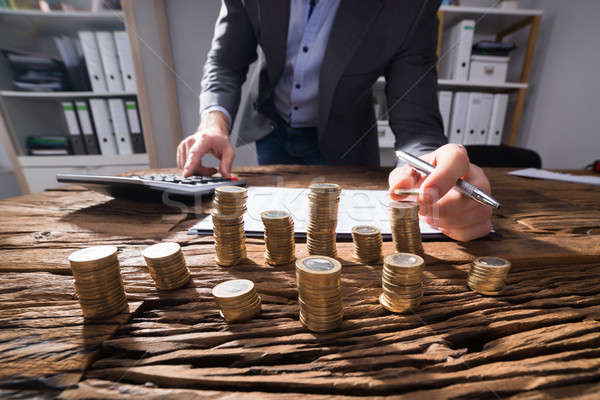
[
  {"x": 305, "y": 49},
  {"x": 297, "y": 86}
]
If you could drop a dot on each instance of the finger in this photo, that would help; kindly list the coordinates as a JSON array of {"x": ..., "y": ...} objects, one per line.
[
  {"x": 185, "y": 153},
  {"x": 194, "y": 159},
  {"x": 468, "y": 233},
  {"x": 180, "y": 150},
  {"x": 402, "y": 178},
  {"x": 477, "y": 214},
  {"x": 226, "y": 161},
  {"x": 454, "y": 203},
  {"x": 451, "y": 163}
]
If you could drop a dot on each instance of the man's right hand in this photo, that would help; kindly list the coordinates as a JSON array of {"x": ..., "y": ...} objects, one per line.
[{"x": 211, "y": 137}]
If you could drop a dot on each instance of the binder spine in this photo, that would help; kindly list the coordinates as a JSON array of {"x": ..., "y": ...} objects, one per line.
[
  {"x": 75, "y": 138},
  {"x": 135, "y": 128},
  {"x": 91, "y": 143}
]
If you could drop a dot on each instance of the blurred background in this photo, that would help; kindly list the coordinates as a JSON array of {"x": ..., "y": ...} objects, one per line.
[{"x": 103, "y": 87}]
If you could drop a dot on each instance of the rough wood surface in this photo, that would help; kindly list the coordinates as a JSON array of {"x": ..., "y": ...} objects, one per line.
[{"x": 539, "y": 339}]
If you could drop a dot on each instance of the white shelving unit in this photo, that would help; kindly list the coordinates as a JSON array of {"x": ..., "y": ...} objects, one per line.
[
  {"x": 452, "y": 84},
  {"x": 62, "y": 95},
  {"x": 39, "y": 113},
  {"x": 491, "y": 20},
  {"x": 493, "y": 23}
]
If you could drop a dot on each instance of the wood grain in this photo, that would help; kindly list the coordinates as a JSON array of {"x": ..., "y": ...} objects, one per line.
[{"x": 539, "y": 339}]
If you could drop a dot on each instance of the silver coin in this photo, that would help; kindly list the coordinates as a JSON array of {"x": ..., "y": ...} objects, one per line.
[
  {"x": 491, "y": 261},
  {"x": 318, "y": 264},
  {"x": 403, "y": 259}
]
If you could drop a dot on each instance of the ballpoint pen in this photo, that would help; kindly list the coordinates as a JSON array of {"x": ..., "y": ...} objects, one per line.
[{"x": 461, "y": 186}]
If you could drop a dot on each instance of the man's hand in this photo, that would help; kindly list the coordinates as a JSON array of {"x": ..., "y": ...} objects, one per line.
[
  {"x": 455, "y": 215},
  {"x": 211, "y": 137}
]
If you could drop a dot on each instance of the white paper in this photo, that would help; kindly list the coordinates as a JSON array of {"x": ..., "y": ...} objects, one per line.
[
  {"x": 357, "y": 207},
  {"x": 556, "y": 176}
]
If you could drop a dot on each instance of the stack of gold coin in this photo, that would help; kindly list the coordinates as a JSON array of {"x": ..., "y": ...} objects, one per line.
[
  {"x": 322, "y": 221},
  {"x": 229, "y": 206},
  {"x": 488, "y": 275},
  {"x": 230, "y": 200},
  {"x": 98, "y": 281},
  {"x": 237, "y": 300},
  {"x": 406, "y": 234},
  {"x": 279, "y": 237},
  {"x": 319, "y": 292},
  {"x": 367, "y": 243},
  {"x": 167, "y": 265},
  {"x": 401, "y": 282}
]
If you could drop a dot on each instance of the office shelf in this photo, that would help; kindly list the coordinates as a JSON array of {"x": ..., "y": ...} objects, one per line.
[
  {"x": 468, "y": 85},
  {"x": 82, "y": 160},
  {"x": 488, "y": 20},
  {"x": 61, "y": 95},
  {"x": 33, "y": 31},
  {"x": 504, "y": 86}
]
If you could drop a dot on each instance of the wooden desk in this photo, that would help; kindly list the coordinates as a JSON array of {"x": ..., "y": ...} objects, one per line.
[{"x": 540, "y": 338}]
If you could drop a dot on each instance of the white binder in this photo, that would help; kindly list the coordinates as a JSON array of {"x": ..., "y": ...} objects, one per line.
[
  {"x": 135, "y": 128},
  {"x": 104, "y": 131},
  {"x": 93, "y": 62},
  {"x": 110, "y": 61},
  {"x": 74, "y": 132},
  {"x": 456, "y": 51},
  {"x": 119, "y": 123},
  {"x": 472, "y": 123},
  {"x": 445, "y": 100},
  {"x": 85, "y": 122},
  {"x": 496, "y": 127},
  {"x": 459, "y": 117},
  {"x": 487, "y": 99},
  {"x": 125, "y": 60}
]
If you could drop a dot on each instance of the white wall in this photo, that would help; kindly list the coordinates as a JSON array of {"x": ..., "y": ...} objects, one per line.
[
  {"x": 191, "y": 25},
  {"x": 562, "y": 114}
]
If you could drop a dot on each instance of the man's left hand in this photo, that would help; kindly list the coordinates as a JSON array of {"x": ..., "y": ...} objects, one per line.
[{"x": 455, "y": 215}]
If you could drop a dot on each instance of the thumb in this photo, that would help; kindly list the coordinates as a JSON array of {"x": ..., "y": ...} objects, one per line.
[{"x": 403, "y": 178}]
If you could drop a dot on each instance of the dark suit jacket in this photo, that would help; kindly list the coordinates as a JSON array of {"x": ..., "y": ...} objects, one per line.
[{"x": 369, "y": 38}]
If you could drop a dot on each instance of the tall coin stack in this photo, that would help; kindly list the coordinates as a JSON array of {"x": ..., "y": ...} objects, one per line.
[
  {"x": 167, "y": 265},
  {"x": 367, "y": 243},
  {"x": 322, "y": 220},
  {"x": 237, "y": 300},
  {"x": 279, "y": 237},
  {"x": 488, "y": 275},
  {"x": 229, "y": 206},
  {"x": 406, "y": 234},
  {"x": 401, "y": 282},
  {"x": 319, "y": 292},
  {"x": 98, "y": 281}
]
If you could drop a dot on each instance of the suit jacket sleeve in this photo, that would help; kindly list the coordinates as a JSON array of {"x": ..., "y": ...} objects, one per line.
[
  {"x": 233, "y": 49},
  {"x": 411, "y": 87}
]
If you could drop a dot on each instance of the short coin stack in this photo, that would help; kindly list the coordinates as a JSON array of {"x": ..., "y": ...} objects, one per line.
[
  {"x": 319, "y": 292},
  {"x": 322, "y": 221},
  {"x": 406, "y": 234},
  {"x": 167, "y": 265},
  {"x": 488, "y": 275},
  {"x": 367, "y": 243},
  {"x": 229, "y": 206},
  {"x": 402, "y": 282},
  {"x": 98, "y": 281},
  {"x": 279, "y": 237},
  {"x": 237, "y": 300}
]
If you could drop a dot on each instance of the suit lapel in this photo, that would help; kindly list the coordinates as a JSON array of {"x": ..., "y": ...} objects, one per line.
[
  {"x": 274, "y": 22},
  {"x": 353, "y": 19}
]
